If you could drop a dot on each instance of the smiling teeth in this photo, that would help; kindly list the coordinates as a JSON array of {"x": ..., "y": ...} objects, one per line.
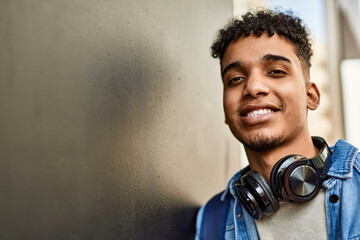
[{"x": 258, "y": 112}]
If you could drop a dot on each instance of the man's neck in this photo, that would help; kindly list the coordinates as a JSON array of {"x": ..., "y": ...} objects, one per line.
[{"x": 263, "y": 162}]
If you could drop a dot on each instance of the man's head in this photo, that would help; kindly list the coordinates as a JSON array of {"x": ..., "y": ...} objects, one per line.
[
  {"x": 267, "y": 91},
  {"x": 266, "y": 22}
]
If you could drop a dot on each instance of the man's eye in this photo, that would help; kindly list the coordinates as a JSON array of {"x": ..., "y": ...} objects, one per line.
[
  {"x": 236, "y": 79},
  {"x": 277, "y": 73}
]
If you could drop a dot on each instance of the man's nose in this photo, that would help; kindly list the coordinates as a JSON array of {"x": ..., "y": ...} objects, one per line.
[{"x": 256, "y": 86}]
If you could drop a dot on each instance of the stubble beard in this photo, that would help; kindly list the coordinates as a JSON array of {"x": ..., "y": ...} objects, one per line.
[{"x": 262, "y": 143}]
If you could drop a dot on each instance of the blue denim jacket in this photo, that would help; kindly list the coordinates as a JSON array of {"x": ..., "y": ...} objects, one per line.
[{"x": 342, "y": 200}]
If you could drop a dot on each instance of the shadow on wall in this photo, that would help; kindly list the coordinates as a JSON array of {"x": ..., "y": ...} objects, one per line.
[
  {"x": 132, "y": 128},
  {"x": 100, "y": 109}
]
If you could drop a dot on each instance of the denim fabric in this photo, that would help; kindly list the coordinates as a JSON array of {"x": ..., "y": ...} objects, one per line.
[{"x": 342, "y": 200}]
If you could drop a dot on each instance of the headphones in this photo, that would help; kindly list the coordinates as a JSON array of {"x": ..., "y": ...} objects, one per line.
[{"x": 294, "y": 178}]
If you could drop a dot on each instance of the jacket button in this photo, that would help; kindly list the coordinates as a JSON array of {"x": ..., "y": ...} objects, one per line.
[{"x": 334, "y": 198}]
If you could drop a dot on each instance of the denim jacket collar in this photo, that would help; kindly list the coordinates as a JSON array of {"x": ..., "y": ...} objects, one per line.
[
  {"x": 339, "y": 167},
  {"x": 235, "y": 178}
]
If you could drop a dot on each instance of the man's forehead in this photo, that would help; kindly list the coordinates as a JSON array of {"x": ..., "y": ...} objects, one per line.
[{"x": 255, "y": 48}]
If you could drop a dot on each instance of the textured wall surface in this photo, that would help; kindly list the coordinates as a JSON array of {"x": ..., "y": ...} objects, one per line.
[{"x": 111, "y": 122}]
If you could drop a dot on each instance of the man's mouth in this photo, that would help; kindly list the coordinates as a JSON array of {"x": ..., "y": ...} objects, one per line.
[
  {"x": 259, "y": 112},
  {"x": 254, "y": 110}
]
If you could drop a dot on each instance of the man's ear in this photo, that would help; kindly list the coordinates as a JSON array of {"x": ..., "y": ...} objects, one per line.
[
  {"x": 313, "y": 96},
  {"x": 226, "y": 120}
]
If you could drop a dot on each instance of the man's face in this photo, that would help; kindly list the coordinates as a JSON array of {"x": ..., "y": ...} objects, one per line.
[{"x": 265, "y": 92}]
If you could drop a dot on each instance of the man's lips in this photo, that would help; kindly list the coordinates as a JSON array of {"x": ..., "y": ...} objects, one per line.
[{"x": 253, "y": 110}]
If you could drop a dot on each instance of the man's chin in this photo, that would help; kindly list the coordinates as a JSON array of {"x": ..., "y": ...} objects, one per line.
[{"x": 261, "y": 143}]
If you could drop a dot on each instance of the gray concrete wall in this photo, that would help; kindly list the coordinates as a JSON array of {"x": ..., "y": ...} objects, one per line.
[{"x": 111, "y": 122}]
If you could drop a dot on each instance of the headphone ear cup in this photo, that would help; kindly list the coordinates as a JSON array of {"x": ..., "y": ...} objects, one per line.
[
  {"x": 294, "y": 180},
  {"x": 265, "y": 197},
  {"x": 248, "y": 200},
  {"x": 274, "y": 181}
]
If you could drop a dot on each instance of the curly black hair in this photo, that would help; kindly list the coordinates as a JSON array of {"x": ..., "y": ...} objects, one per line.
[{"x": 270, "y": 21}]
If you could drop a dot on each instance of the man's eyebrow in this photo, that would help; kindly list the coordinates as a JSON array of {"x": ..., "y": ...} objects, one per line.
[
  {"x": 272, "y": 57},
  {"x": 266, "y": 58},
  {"x": 230, "y": 66}
]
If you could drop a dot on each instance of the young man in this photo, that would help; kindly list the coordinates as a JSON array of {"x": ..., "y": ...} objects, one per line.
[{"x": 295, "y": 187}]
